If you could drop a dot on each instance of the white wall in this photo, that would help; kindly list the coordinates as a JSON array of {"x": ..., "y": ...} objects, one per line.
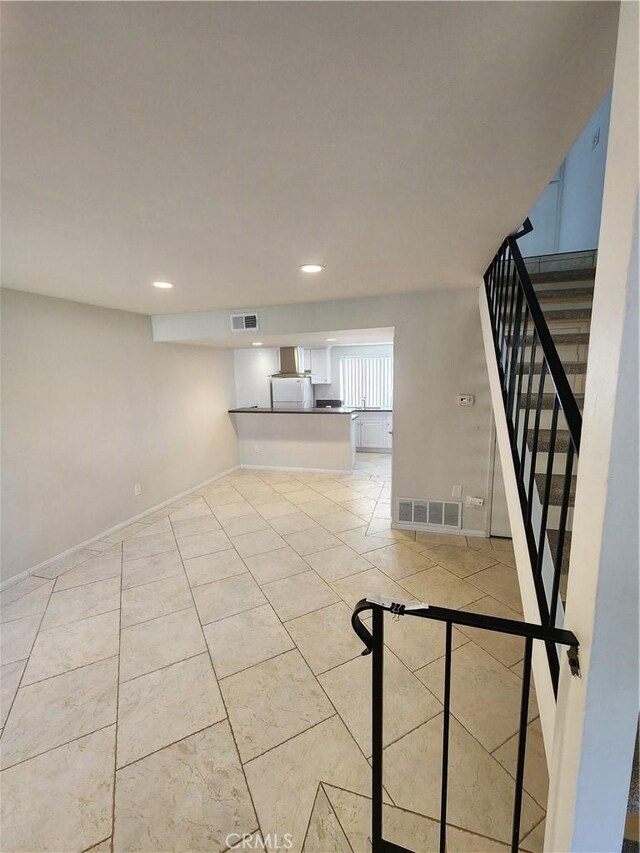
[
  {"x": 566, "y": 217},
  {"x": 90, "y": 406},
  {"x": 438, "y": 354},
  {"x": 252, "y": 368},
  {"x": 333, "y": 392}
]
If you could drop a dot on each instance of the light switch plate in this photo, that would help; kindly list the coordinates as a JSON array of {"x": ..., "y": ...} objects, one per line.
[{"x": 466, "y": 399}]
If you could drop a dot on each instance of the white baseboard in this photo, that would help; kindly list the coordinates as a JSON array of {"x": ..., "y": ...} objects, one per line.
[
  {"x": 103, "y": 534},
  {"x": 301, "y": 470}
]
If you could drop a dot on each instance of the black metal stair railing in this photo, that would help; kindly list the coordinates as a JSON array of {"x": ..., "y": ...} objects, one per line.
[
  {"x": 528, "y": 361},
  {"x": 374, "y": 643}
]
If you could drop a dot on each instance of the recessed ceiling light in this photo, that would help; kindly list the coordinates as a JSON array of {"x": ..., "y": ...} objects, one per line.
[
  {"x": 256, "y": 344},
  {"x": 329, "y": 340},
  {"x": 312, "y": 268},
  {"x": 163, "y": 285}
]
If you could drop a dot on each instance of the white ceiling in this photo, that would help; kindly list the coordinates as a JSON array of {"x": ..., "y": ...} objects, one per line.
[{"x": 220, "y": 145}]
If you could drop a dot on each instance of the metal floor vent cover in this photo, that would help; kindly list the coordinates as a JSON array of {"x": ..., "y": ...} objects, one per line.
[{"x": 430, "y": 513}]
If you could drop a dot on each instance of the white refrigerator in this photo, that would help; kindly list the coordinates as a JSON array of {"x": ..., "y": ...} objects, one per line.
[{"x": 291, "y": 392}]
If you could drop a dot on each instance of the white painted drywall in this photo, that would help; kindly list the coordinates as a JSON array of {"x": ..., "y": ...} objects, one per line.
[
  {"x": 252, "y": 368},
  {"x": 91, "y": 406},
  {"x": 333, "y": 391},
  {"x": 597, "y": 714},
  {"x": 438, "y": 353},
  {"x": 566, "y": 217},
  {"x": 310, "y": 442}
]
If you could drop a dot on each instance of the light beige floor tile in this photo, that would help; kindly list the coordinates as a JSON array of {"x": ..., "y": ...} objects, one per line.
[
  {"x": 259, "y": 494},
  {"x": 33, "y": 603},
  {"x": 319, "y": 507},
  {"x": 302, "y": 496},
  {"x": 480, "y": 790},
  {"x": 245, "y": 524},
  {"x": 147, "y": 569},
  {"x": 432, "y": 540},
  {"x": 485, "y": 695},
  {"x": 299, "y": 594},
  {"x": 213, "y": 567},
  {"x": 406, "y": 705},
  {"x": 178, "y": 503},
  {"x": 155, "y": 599},
  {"x": 312, "y": 541},
  {"x": 460, "y": 561},
  {"x": 500, "y": 582},
  {"x": 16, "y": 638},
  {"x": 324, "y": 834},
  {"x": 272, "y": 702},
  {"x": 52, "y": 712},
  {"x": 102, "y": 847},
  {"x": 534, "y": 842},
  {"x": 382, "y": 527},
  {"x": 506, "y": 648},
  {"x": 70, "y": 561},
  {"x": 101, "y": 546},
  {"x": 128, "y": 531},
  {"x": 195, "y": 509},
  {"x": 440, "y": 587},
  {"x": 398, "y": 561},
  {"x": 147, "y": 546},
  {"x": 73, "y": 789},
  {"x": 477, "y": 543},
  {"x": 203, "y": 543},
  {"x": 500, "y": 543},
  {"x": 259, "y": 542},
  {"x": 293, "y": 523},
  {"x": 417, "y": 641},
  {"x": 160, "y": 642},
  {"x": 287, "y": 486},
  {"x": 97, "y": 569},
  {"x": 236, "y": 509},
  {"x": 162, "y": 525},
  {"x": 227, "y": 597},
  {"x": 80, "y": 602},
  {"x": 222, "y": 496},
  {"x": 275, "y": 565},
  {"x": 506, "y": 557},
  {"x": 338, "y": 522},
  {"x": 371, "y": 582},
  {"x": 362, "y": 543},
  {"x": 342, "y": 494},
  {"x": 536, "y": 776},
  {"x": 361, "y": 506},
  {"x": 10, "y": 675},
  {"x": 325, "y": 637},
  {"x": 12, "y": 593},
  {"x": 188, "y": 796},
  {"x": 74, "y": 645},
  {"x": 162, "y": 707},
  {"x": 338, "y": 562},
  {"x": 156, "y": 515},
  {"x": 326, "y": 752},
  {"x": 191, "y": 526},
  {"x": 276, "y": 509},
  {"x": 245, "y": 639}
]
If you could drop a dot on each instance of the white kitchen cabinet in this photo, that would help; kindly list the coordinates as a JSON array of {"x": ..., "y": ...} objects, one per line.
[
  {"x": 318, "y": 361},
  {"x": 372, "y": 432}
]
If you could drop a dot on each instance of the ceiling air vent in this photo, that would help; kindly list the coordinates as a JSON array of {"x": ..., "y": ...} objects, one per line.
[
  {"x": 244, "y": 322},
  {"x": 429, "y": 514}
]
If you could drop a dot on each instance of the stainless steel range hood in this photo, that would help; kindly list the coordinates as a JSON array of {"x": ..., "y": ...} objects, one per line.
[{"x": 291, "y": 363}]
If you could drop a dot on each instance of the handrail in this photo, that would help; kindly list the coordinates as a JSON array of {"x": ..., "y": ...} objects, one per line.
[
  {"x": 566, "y": 396},
  {"x": 374, "y": 645}
]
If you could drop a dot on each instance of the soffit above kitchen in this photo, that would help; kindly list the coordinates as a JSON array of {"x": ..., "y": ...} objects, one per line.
[{"x": 219, "y": 146}]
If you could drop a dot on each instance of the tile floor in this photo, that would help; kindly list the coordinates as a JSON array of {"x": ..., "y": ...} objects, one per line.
[{"x": 194, "y": 679}]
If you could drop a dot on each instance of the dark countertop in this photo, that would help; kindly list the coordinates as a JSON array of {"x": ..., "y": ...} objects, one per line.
[{"x": 319, "y": 410}]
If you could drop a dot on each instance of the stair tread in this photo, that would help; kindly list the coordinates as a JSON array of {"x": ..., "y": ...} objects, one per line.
[
  {"x": 571, "y": 368},
  {"x": 564, "y": 294},
  {"x": 544, "y": 439},
  {"x": 547, "y": 401},
  {"x": 552, "y": 536},
  {"x": 557, "y": 488},
  {"x": 560, "y": 338},
  {"x": 586, "y": 274},
  {"x": 552, "y": 314}
]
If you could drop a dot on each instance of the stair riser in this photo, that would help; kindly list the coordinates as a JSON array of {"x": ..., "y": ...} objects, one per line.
[{"x": 567, "y": 352}]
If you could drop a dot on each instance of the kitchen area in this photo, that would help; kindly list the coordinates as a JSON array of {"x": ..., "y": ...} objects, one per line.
[{"x": 314, "y": 407}]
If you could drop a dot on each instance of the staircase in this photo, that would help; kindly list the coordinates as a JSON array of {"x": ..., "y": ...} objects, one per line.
[{"x": 563, "y": 284}]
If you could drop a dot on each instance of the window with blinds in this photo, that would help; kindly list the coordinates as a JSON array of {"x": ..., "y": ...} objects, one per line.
[{"x": 367, "y": 381}]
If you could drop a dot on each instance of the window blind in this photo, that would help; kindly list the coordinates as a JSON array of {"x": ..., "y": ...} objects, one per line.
[{"x": 370, "y": 378}]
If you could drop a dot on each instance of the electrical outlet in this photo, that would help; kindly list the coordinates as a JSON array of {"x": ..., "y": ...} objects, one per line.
[
  {"x": 474, "y": 502},
  {"x": 466, "y": 399},
  {"x": 456, "y": 492},
  {"x": 137, "y": 490}
]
